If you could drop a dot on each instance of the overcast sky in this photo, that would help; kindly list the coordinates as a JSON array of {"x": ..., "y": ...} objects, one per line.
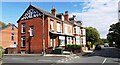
[{"x": 96, "y": 13}]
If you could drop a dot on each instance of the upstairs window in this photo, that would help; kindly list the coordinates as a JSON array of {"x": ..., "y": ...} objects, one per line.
[
  {"x": 74, "y": 30},
  {"x": 58, "y": 27},
  {"x": 31, "y": 30},
  {"x": 12, "y": 37},
  {"x": 23, "y": 29},
  {"x": 12, "y": 27},
  {"x": 65, "y": 28},
  {"x": 23, "y": 42},
  {"x": 51, "y": 25},
  {"x": 81, "y": 31}
]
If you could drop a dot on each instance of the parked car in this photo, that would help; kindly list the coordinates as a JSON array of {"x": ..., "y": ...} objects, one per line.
[
  {"x": 98, "y": 47},
  {"x": 106, "y": 45}
]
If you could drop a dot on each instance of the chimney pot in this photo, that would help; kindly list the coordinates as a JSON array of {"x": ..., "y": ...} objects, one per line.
[
  {"x": 66, "y": 16},
  {"x": 53, "y": 11},
  {"x": 66, "y": 12},
  {"x": 74, "y": 16}
]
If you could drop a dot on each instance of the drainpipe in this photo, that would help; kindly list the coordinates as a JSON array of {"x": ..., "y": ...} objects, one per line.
[{"x": 43, "y": 36}]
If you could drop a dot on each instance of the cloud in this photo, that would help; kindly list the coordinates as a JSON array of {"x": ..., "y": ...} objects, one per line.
[
  {"x": 99, "y": 14},
  {"x": 75, "y": 5}
]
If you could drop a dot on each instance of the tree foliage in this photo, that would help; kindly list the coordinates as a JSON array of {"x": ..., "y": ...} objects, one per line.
[
  {"x": 104, "y": 40},
  {"x": 2, "y": 24},
  {"x": 114, "y": 34},
  {"x": 92, "y": 35}
]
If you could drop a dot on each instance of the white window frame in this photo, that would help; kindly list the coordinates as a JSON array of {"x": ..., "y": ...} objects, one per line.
[
  {"x": 51, "y": 42},
  {"x": 65, "y": 28},
  {"x": 75, "y": 30},
  {"x": 23, "y": 26},
  {"x": 78, "y": 40},
  {"x": 58, "y": 27},
  {"x": 52, "y": 25},
  {"x": 23, "y": 38},
  {"x": 31, "y": 31}
]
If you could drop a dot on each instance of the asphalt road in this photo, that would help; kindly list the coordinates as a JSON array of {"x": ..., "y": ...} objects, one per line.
[{"x": 106, "y": 55}]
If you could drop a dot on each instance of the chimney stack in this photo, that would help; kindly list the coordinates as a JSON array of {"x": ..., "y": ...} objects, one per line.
[
  {"x": 74, "y": 16},
  {"x": 53, "y": 11},
  {"x": 66, "y": 16}
]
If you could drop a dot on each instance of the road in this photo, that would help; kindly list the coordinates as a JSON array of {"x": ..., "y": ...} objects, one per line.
[{"x": 106, "y": 55}]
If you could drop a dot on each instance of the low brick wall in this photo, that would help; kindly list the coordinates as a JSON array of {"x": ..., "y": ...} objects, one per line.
[{"x": 12, "y": 51}]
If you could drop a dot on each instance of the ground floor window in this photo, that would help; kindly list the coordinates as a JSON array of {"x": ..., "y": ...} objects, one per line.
[
  {"x": 61, "y": 41},
  {"x": 69, "y": 40},
  {"x": 78, "y": 40},
  {"x": 51, "y": 42},
  {"x": 23, "y": 42}
]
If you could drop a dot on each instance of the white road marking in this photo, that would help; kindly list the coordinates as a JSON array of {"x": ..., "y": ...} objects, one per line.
[{"x": 104, "y": 61}]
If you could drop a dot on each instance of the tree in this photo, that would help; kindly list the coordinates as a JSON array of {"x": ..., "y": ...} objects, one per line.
[
  {"x": 92, "y": 35},
  {"x": 104, "y": 40},
  {"x": 114, "y": 34},
  {"x": 2, "y": 24}
]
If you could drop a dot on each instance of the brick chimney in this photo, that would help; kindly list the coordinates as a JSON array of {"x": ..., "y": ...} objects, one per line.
[
  {"x": 53, "y": 11},
  {"x": 66, "y": 16}
]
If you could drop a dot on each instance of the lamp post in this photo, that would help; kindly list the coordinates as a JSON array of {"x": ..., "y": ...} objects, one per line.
[{"x": 43, "y": 35}]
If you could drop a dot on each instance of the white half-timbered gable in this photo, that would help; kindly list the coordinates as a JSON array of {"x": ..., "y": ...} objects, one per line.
[{"x": 31, "y": 13}]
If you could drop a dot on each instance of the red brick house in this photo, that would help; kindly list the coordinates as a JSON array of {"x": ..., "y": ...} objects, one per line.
[
  {"x": 9, "y": 38},
  {"x": 39, "y": 30}
]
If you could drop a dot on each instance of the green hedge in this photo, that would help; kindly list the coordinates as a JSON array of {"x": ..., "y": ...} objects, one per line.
[
  {"x": 1, "y": 52},
  {"x": 74, "y": 47}
]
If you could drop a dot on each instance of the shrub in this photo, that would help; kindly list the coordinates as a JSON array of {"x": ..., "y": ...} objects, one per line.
[
  {"x": 1, "y": 52},
  {"x": 74, "y": 47}
]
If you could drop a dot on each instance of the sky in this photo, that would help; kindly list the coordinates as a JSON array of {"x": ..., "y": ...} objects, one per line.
[{"x": 96, "y": 13}]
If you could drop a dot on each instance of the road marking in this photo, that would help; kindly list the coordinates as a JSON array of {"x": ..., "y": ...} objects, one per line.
[{"x": 104, "y": 61}]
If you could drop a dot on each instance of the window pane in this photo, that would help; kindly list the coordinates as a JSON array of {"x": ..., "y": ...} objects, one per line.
[
  {"x": 23, "y": 42},
  {"x": 23, "y": 30},
  {"x": 50, "y": 42},
  {"x": 31, "y": 31},
  {"x": 12, "y": 37},
  {"x": 12, "y": 27}
]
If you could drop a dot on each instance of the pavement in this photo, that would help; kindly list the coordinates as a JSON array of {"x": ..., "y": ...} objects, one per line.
[{"x": 106, "y": 55}]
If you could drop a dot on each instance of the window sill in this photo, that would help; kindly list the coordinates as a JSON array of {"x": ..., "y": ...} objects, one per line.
[
  {"x": 23, "y": 47},
  {"x": 23, "y": 32},
  {"x": 58, "y": 32}
]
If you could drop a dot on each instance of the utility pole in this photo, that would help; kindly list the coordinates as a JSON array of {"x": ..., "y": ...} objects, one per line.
[{"x": 43, "y": 36}]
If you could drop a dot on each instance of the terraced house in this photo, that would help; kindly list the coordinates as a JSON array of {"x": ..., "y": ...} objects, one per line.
[{"x": 39, "y": 30}]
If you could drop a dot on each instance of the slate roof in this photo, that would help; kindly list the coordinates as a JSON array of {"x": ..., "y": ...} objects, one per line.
[{"x": 45, "y": 12}]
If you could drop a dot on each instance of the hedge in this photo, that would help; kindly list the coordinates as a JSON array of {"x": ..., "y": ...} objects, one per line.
[
  {"x": 73, "y": 47},
  {"x": 1, "y": 52}
]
